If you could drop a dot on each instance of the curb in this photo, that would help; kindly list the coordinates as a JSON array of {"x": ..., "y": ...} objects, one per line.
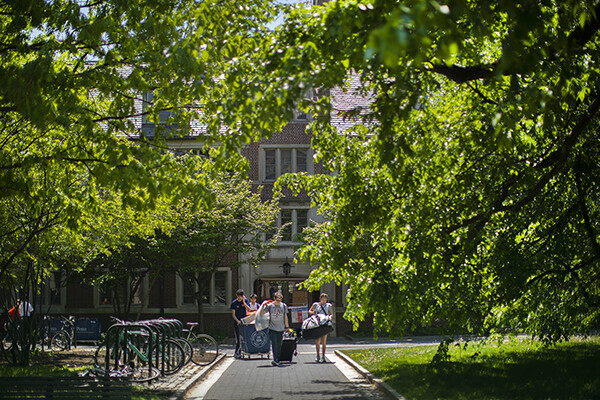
[
  {"x": 379, "y": 384},
  {"x": 182, "y": 391}
]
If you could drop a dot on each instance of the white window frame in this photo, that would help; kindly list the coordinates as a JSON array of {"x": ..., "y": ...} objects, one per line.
[
  {"x": 143, "y": 288},
  {"x": 212, "y": 291},
  {"x": 294, "y": 167},
  {"x": 295, "y": 230}
]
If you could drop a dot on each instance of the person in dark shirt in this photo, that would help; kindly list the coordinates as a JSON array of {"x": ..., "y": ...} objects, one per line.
[{"x": 238, "y": 311}]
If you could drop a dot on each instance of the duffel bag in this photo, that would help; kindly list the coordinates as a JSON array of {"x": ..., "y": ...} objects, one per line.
[{"x": 317, "y": 332}]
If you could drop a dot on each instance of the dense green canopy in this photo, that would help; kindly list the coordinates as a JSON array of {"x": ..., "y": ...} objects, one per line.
[
  {"x": 75, "y": 85},
  {"x": 467, "y": 190}
]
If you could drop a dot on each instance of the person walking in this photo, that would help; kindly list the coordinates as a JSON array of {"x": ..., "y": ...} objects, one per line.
[
  {"x": 278, "y": 323},
  {"x": 238, "y": 311},
  {"x": 25, "y": 309},
  {"x": 321, "y": 307}
]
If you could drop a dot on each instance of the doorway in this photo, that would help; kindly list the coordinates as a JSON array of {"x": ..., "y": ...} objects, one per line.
[{"x": 293, "y": 295}]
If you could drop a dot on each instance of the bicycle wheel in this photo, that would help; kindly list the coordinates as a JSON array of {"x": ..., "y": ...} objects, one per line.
[
  {"x": 143, "y": 373},
  {"x": 205, "y": 348},
  {"x": 187, "y": 349},
  {"x": 60, "y": 341},
  {"x": 172, "y": 355},
  {"x": 100, "y": 357},
  {"x": 6, "y": 342}
]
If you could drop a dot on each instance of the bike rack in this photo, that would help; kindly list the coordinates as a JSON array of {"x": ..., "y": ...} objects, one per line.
[
  {"x": 158, "y": 331},
  {"x": 115, "y": 349}
]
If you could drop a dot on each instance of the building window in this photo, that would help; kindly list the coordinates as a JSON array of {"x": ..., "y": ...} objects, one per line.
[
  {"x": 300, "y": 115},
  {"x": 279, "y": 161},
  {"x": 293, "y": 222},
  {"x": 189, "y": 290},
  {"x": 220, "y": 291},
  {"x": 54, "y": 284},
  {"x": 138, "y": 295},
  {"x": 109, "y": 293},
  {"x": 215, "y": 293}
]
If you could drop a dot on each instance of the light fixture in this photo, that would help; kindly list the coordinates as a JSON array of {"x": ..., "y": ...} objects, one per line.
[{"x": 287, "y": 267}]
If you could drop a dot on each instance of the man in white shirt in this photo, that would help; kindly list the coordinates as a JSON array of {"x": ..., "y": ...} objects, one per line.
[{"x": 25, "y": 309}]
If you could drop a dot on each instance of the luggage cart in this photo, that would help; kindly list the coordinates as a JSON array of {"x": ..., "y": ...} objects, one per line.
[{"x": 254, "y": 343}]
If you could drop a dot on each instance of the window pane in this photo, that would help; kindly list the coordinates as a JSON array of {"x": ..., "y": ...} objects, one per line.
[
  {"x": 300, "y": 114},
  {"x": 220, "y": 280},
  {"x": 55, "y": 287},
  {"x": 189, "y": 290},
  {"x": 165, "y": 115},
  {"x": 301, "y": 220},
  {"x": 286, "y": 161},
  {"x": 146, "y": 103},
  {"x": 270, "y": 161},
  {"x": 205, "y": 292},
  {"x": 301, "y": 163},
  {"x": 138, "y": 294},
  {"x": 286, "y": 217}
]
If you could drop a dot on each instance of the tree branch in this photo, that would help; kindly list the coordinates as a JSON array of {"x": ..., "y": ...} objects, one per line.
[
  {"x": 584, "y": 210},
  {"x": 559, "y": 159},
  {"x": 577, "y": 38}
]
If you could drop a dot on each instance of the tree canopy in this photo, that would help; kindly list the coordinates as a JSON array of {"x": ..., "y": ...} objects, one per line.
[
  {"x": 75, "y": 79},
  {"x": 467, "y": 188},
  {"x": 78, "y": 82}
]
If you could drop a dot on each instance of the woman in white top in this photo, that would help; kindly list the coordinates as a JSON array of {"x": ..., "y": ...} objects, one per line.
[{"x": 321, "y": 307}]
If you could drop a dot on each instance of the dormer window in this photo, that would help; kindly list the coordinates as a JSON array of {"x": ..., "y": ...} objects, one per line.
[
  {"x": 147, "y": 102},
  {"x": 300, "y": 115}
]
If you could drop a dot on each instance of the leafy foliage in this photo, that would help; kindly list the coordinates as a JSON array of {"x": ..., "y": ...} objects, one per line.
[
  {"x": 236, "y": 227},
  {"x": 75, "y": 84},
  {"x": 466, "y": 189}
]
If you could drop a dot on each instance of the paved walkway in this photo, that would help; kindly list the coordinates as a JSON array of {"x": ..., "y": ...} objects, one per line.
[{"x": 257, "y": 379}]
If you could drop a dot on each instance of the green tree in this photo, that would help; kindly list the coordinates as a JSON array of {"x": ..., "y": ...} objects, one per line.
[
  {"x": 467, "y": 188},
  {"x": 72, "y": 77},
  {"x": 238, "y": 227}
]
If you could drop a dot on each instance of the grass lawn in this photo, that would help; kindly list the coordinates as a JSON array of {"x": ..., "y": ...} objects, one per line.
[{"x": 486, "y": 371}]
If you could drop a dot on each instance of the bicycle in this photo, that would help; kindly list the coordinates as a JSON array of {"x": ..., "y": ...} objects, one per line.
[
  {"x": 132, "y": 347},
  {"x": 131, "y": 371},
  {"x": 64, "y": 338},
  {"x": 205, "y": 347}
]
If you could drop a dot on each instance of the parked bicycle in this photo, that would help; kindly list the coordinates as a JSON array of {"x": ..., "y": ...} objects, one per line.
[
  {"x": 205, "y": 347},
  {"x": 141, "y": 349},
  {"x": 65, "y": 337}
]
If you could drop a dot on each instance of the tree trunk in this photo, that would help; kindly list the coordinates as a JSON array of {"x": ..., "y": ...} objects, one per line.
[{"x": 146, "y": 297}]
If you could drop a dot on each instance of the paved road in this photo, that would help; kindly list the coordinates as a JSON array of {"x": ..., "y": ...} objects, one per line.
[{"x": 257, "y": 379}]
